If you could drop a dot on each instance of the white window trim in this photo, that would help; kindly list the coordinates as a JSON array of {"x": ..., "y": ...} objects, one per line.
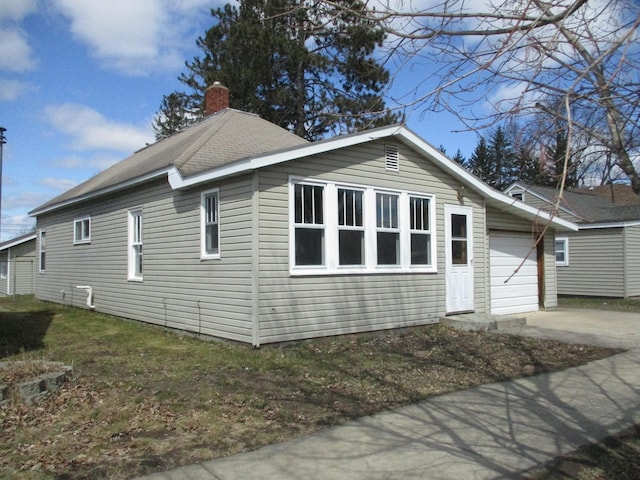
[
  {"x": 565, "y": 240},
  {"x": 79, "y": 221},
  {"x": 331, "y": 254},
  {"x": 41, "y": 251},
  {"x": 131, "y": 215},
  {"x": 204, "y": 255}
]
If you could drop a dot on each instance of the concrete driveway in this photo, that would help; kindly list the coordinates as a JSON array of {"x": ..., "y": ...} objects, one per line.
[{"x": 595, "y": 327}]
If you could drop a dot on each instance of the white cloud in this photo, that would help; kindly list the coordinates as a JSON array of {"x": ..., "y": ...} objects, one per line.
[
  {"x": 16, "y": 9},
  {"x": 15, "y": 54},
  {"x": 135, "y": 37},
  {"x": 13, "y": 89},
  {"x": 23, "y": 200},
  {"x": 89, "y": 129}
]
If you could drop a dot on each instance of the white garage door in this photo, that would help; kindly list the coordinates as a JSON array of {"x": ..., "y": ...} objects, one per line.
[{"x": 513, "y": 292}]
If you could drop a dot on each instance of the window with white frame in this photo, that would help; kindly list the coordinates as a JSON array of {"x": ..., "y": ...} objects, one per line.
[
  {"x": 308, "y": 208},
  {"x": 340, "y": 228},
  {"x": 135, "y": 244},
  {"x": 210, "y": 234},
  {"x": 420, "y": 225},
  {"x": 42, "y": 250},
  {"x": 562, "y": 251},
  {"x": 82, "y": 230},
  {"x": 350, "y": 227},
  {"x": 387, "y": 229},
  {"x": 3, "y": 270}
]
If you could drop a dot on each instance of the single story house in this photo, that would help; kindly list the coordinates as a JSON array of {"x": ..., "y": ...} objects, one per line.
[
  {"x": 236, "y": 228},
  {"x": 602, "y": 258},
  {"x": 18, "y": 265}
]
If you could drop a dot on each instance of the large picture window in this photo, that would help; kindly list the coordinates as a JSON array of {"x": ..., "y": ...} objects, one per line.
[
  {"x": 211, "y": 224},
  {"x": 135, "y": 245},
  {"x": 309, "y": 224},
  {"x": 344, "y": 229}
]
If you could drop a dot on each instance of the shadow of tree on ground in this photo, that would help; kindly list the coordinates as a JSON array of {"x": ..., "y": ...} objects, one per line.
[{"x": 23, "y": 332}]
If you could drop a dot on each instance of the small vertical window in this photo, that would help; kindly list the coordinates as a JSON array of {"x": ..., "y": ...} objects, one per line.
[
  {"x": 350, "y": 227},
  {"x": 135, "y": 245},
  {"x": 308, "y": 206},
  {"x": 211, "y": 224},
  {"x": 82, "y": 230},
  {"x": 3, "y": 270},
  {"x": 42, "y": 252},
  {"x": 388, "y": 231},
  {"x": 562, "y": 252},
  {"x": 420, "y": 231},
  {"x": 459, "y": 240}
]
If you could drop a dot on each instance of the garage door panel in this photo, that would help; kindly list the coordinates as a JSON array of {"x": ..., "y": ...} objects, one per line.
[{"x": 513, "y": 292}]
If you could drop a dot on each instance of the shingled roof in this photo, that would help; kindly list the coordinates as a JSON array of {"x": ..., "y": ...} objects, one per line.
[
  {"x": 221, "y": 138},
  {"x": 594, "y": 205}
]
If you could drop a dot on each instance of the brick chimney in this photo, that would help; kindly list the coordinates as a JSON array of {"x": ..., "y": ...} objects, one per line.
[{"x": 216, "y": 98}]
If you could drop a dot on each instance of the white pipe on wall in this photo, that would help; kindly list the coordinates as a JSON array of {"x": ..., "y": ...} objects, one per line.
[{"x": 89, "y": 291}]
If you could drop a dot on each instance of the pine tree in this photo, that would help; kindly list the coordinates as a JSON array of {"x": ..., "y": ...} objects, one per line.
[
  {"x": 294, "y": 67},
  {"x": 173, "y": 115},
  {"x": 459, "y": 158},
  {"x": 480, "y": 162}
]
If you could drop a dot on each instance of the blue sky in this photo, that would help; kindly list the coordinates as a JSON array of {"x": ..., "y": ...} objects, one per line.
[{"x": 80, "y": 82}]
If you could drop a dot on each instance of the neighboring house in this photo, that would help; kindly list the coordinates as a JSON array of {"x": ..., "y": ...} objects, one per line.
[
  {"x": 18, "y": 266},
  {"x": 236, "y": 228},
  {"x": 603, "y": 257}
]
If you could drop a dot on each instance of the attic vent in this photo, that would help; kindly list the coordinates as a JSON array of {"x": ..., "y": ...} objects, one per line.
[{"x": 391, "y": 158}]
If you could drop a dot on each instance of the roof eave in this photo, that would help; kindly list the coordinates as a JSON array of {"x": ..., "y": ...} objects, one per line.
[{"x": 100, "y": 192}]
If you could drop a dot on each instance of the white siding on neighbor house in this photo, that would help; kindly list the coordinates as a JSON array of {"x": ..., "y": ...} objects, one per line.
[
  {"x": 179, "y": 290},
  {"x": 321, "y": 305},
  {"x": 632, "y": 261},
  {"x": 596, "y": 264},
  {"x": 21, "y": 269}
]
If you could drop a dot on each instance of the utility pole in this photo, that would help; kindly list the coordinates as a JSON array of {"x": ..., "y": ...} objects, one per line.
[{"x": 3, "y": 140}]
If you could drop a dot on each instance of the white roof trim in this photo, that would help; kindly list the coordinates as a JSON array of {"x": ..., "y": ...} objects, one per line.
[
  {"x": 17, "y": 241},
  {"x": 589, "y": 226},
  {"x": 102, "y": 191},
  {"x": 403, "y": 134}
]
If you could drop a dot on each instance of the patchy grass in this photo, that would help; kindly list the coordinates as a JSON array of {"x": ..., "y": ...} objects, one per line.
[
  {"x": 619, "y": 304},
  {"x": 615, "y": 458},
  {"x": 144, "y": 399}
]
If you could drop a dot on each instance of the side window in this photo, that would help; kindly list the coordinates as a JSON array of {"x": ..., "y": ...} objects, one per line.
[
  {"x": 42, "y": 252},
  {"x": 135, "y": 244},
  {"x": 3, "y": 270},
  {"x": 387, "y": 229},
  {"x": 420, "y": 224},
  {"x": 210, "y": 229},
  {"x": 562, "y": 252},
  {"x": 82, "y": 230},
  {"x": 350, "y": 227},
  {"x": 309, "y": 227}
]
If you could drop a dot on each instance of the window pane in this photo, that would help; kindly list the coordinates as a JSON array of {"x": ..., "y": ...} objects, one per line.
[
  {"x": 297, "y": 203},
  {"x": 351, "y": 247},
  {"x": 212, "y": 238},
  {"x": 459, "y": 252},
  {"x": 386, "y": 210},
  {"x": 308, "y": 207},
  {"x": 388, "y": 243},
  {"x": 459, "y": 226},
  {"x": 560, "y": 251},
  {"x": 137, "y": 249},
  {"x": 420, "y": 249},
  {"x": 309, "y": 246},
  {"x": 419, "y": 212}
]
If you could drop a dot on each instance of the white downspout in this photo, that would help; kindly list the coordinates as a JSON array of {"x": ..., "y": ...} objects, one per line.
[{"x": 89, "y": 291}]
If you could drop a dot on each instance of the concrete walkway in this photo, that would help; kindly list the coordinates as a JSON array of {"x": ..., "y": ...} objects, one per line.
[{"x": 492, "y": 431}]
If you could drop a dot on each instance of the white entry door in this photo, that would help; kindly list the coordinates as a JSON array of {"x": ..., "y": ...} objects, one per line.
[{"x": 458, "y": 224}]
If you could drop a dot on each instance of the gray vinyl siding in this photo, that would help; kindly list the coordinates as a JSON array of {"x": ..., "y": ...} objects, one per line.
[
  {"x": 546, "y": 206},
  {"x": 596, "y": 264},
  {"x": 502, "y": 221},
  {"x": 294, "y": 307},
  {"x": 179, "y": 290},
  {"x": 632, "y": 261},
  {"x": 21, "y": 268}
]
